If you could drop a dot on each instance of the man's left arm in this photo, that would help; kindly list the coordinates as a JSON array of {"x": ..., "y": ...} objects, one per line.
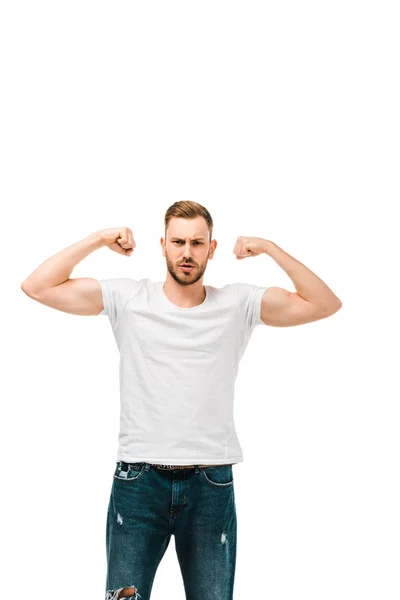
[{"x": 313, "y": 299}]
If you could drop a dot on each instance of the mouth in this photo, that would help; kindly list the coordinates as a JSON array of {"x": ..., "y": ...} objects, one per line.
[{"x": 186, "y": 268}]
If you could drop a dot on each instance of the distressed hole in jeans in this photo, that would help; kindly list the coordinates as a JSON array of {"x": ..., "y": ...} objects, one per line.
[{"x": 125, "y": 592}]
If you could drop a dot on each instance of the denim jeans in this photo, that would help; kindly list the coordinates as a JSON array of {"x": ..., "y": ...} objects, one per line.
[{"x": 148, "y": 505}]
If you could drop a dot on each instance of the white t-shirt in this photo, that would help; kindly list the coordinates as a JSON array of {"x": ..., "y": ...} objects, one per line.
[{"x": 178, "y": 368}]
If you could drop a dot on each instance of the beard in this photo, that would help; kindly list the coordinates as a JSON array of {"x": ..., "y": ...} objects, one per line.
[{"x": 186, "y": 278}]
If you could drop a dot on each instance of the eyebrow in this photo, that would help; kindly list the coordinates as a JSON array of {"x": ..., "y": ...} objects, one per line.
[{"x": 181, "y": 240}]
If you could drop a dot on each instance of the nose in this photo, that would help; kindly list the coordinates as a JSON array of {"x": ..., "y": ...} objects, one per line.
[{"x": 187, "y": 253}]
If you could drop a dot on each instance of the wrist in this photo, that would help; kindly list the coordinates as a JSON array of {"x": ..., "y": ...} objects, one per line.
[
  {"x": 268, "y": 246},
  {"x": 96, "y": 240}
]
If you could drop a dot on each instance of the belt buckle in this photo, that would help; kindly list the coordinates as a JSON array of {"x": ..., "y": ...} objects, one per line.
[{"x": 169, "y": 467}]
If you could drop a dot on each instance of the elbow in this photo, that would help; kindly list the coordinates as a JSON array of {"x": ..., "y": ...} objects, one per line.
[
  {"x": 335, "y": 307},
  {"x": 330, "y": 309},
  {"x": 338, "y": 303},
  {"x": 27, "y": 289},
  {"x": 334, "y": 303}
]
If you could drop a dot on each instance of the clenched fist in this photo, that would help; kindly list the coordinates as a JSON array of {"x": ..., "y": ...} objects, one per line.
[
  {"x": 249, "y": 246},
  {"x": 118, "y": 239}
]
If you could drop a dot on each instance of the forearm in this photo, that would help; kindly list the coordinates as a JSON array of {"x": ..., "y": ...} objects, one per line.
[
  {"x": 308, "y": 285},
  {"x": 58, "y": 268}
]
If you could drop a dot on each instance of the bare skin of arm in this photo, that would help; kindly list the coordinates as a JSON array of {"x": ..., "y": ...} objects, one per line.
[
  {"x": 312, "y": 300},
  {"x": 50, "y": 283}
]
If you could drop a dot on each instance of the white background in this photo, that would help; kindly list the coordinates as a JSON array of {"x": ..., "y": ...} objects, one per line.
[{"x": 283, "y": 120}]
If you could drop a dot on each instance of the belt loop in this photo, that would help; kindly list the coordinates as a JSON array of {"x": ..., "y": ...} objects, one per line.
[
  {"x": 146, "y": 466},
  {"x": 196, "y": 469}
]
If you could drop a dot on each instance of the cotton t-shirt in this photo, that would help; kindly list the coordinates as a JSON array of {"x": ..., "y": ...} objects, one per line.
[{"x": 178, "y": 368}]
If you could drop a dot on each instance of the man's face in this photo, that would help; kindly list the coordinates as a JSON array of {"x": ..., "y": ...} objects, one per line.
[{"x": 187, "y": 242}]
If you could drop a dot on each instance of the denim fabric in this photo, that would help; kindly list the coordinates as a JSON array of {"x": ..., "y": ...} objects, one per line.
[{"x": 147, "y": 506}]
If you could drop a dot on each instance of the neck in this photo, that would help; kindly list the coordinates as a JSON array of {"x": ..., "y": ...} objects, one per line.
[{"x": 184, "y": 296}]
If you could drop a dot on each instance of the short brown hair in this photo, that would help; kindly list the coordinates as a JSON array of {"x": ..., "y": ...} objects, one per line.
[{"x": 186, "y": 209}]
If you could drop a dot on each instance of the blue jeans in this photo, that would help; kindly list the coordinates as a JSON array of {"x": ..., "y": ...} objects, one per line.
[{"x": 148, "y": 505}]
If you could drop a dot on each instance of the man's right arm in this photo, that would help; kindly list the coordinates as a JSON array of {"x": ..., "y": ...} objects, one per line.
[{"x": 51, "y": 285}]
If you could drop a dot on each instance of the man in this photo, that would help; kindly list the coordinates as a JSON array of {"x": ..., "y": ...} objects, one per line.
[{"x": 180, "y": 344}]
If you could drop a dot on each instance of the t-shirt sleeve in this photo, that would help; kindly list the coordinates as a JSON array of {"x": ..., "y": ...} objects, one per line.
[
  {"x": 116, "y": 293},
  {"x": 249, "y": 299}
]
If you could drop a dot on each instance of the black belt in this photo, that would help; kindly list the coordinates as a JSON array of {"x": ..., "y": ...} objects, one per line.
[{"x": 168, "y": 467}]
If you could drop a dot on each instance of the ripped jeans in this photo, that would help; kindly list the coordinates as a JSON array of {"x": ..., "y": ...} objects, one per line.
[{"x": 147, "y": 506}]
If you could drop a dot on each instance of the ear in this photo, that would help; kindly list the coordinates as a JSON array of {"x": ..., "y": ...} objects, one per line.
[
  {"x": 162, "y": 242},
  {"x": 213, "y": 247}
]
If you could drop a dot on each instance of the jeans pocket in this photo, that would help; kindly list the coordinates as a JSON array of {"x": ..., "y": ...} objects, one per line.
[
  {"x": 218, "y": 476},
  {"x": 128, "y": 471}
]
